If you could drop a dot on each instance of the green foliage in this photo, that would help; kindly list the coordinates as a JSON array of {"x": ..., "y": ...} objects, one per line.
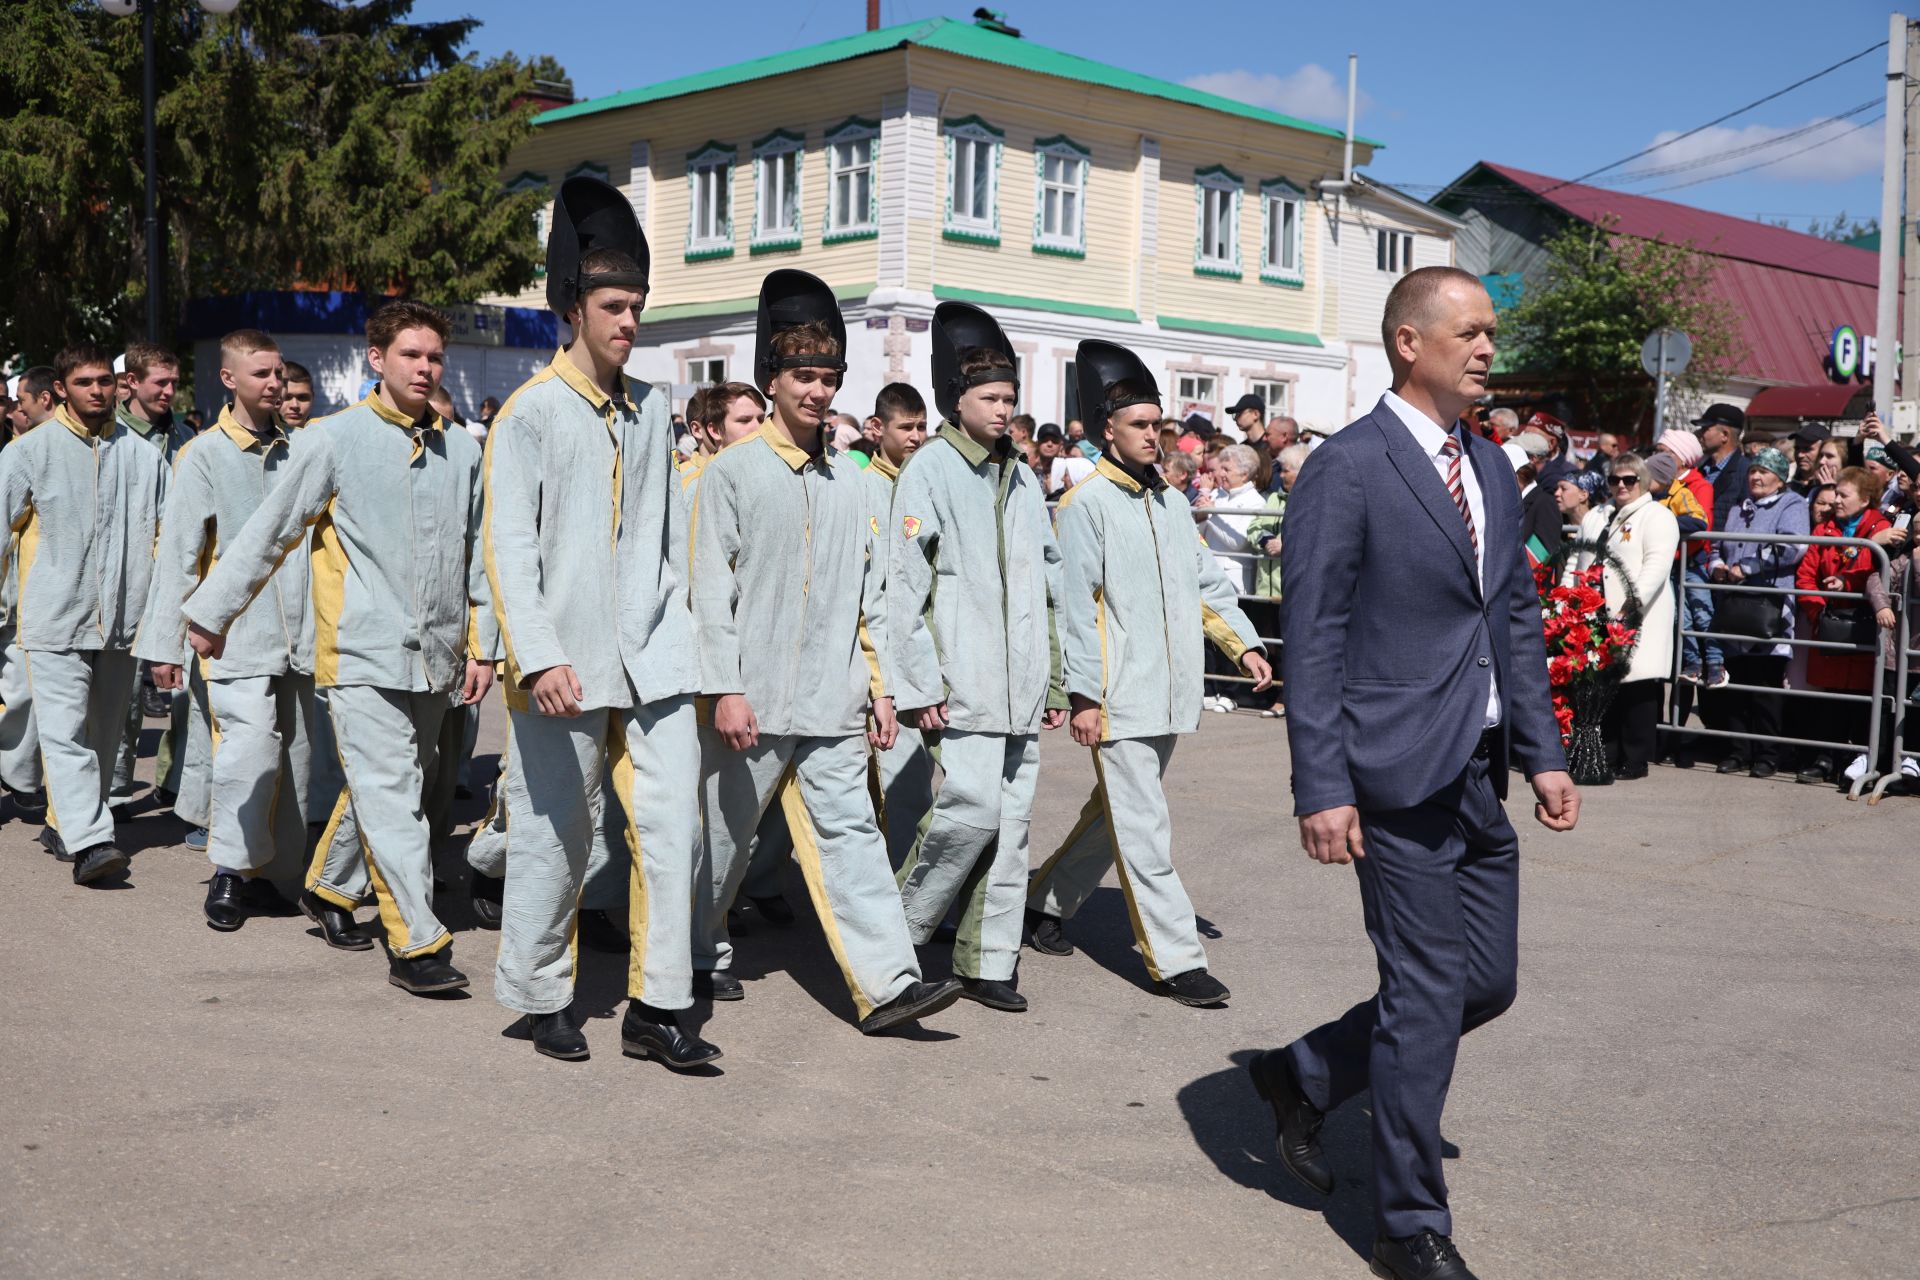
[
  {"x": 300, "y": 142},
  {"x": 1585, "y": 315}
]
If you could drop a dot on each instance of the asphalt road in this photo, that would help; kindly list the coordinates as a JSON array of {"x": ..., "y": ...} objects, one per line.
[{"x": 1710, "y": 1072}]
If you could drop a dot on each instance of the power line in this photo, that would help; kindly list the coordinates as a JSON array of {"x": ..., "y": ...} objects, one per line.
[
  {"x": 1775, "y": 160},
  {"x": 1718, "y": 157},
  {"x": 1719, "y": 120}
]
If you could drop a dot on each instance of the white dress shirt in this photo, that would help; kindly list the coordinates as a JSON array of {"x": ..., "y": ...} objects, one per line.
[{"x": 1432, "y": 439}]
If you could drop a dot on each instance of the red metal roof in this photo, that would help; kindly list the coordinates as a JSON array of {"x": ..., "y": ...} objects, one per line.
[
  {"x": 1821, "y": 400},
  {"x": 1789, "y": 290}
]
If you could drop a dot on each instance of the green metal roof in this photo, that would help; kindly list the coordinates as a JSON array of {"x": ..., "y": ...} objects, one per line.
[{"x": 964, "y": 39}]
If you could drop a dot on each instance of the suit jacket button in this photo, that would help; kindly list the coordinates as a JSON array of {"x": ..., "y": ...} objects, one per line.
[{"x": 1483, "y": 662}]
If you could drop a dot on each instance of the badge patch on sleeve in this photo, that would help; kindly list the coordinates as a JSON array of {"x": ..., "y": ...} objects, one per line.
[
  {"x": 873, "y": 523},
  {"x": 910, "y": 525}
]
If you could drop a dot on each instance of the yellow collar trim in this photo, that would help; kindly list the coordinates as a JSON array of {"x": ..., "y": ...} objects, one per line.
[
  {"x": 430, "y": 421},
  {"x": 788, "y": 452},
  {"x": 66, "y": 418},
  {"x": 244, "y": 438},
  {"x": 569, "y": 372},
  {"x": 885, "y": 467}
]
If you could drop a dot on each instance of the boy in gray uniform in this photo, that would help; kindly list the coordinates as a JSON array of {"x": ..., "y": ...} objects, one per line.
[
  {"x": 599, "y": 646},
  {"x": 972, "y": 572},
  {"x": 403, "y": 624},
  {"x": 84, "y": 495},
  {"x": 1142, "y": 594},
  {"x": 20, "y": 771},
  {"x": 787, "y": 600},
  {"x": 260, "y": 689}
]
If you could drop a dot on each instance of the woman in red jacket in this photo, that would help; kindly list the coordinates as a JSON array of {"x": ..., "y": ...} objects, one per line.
[{"x": 1856, "y": 515}]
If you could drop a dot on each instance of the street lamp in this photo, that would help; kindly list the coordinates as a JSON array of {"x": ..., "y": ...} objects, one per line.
[{"x": 145, "y": 8}]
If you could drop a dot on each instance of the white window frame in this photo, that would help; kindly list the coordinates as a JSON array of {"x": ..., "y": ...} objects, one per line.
[
  {"x": 542, "y": 217},
  {"x": 1275, "y": 393},
  {"x": 1393, "y": 251},
  {"x": 1223, "y": 182},
  {"x": 1069, "y": 241},
  {"x": 977, "y": 135},
  {"x": 714, "y": 367},
  {"x": 771, "y": 154},
  {"x": 1277, "y": 197},
  {"x": 714, "y": 157},
  {"x": 852, "y": 227},
  {"x": 1182, "y": 398}
]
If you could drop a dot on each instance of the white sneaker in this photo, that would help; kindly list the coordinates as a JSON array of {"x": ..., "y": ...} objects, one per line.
[
  {"x": 1909, "y": 767},
  {"x": 1858, "y": 769},
  {"x": 1222, "y": 705},
  {"x": 1274, "y": 713}
]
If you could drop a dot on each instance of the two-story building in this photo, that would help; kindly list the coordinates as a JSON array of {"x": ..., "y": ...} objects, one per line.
[{"x": 950, "y": 160}]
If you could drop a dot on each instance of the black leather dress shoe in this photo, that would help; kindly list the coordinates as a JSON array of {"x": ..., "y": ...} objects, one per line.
[
  {"x": 1764, "y": 768},
  {"x": 428, "y": 975},
  {"x": 93, "y": 865},
  {"x": 555, "y": 1036},
  {"x": 1427, "y": 1256},
  {"x": 921, "y": 1000},
  {"x": 599, "y": 933},
  {"x": 1732, "y": 764},
  {"x": 1195, "y": 987},
  {"x": 994, "y": 995},
  {"x": 647, "y": 1032},
  {"x": 717, "y": 984},
  {"x": 1297, "y": 1122},
  {"x": 337, "y": 925},
  {"x": 1045, "y": 935},
  {"x": 50, "y": 841},
  {"x": 486, "y": 893},
  {"x": 225, "y": 911},
  {"x": 776, "y": 911},
  {"x": 260, "y": 897}
]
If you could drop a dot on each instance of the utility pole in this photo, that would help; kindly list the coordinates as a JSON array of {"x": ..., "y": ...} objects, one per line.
[
  {"x": 1892, "y": 221},
  {"x": 1909, "y": 246}
]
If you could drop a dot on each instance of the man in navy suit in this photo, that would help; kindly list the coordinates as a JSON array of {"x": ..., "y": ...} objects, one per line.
[{"x": 1416, "y": 674}]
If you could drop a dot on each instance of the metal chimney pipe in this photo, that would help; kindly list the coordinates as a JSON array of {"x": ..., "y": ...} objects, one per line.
[{"x": 1353, "y": 93}]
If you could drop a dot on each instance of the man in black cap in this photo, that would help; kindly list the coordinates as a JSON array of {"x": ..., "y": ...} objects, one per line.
[
  {"x": 600, "y": 666},
  {"x": 1724, "y": 464},
  {"x": 1806, "y": 456},
  {"x": 1249, "y": 414},
  {"x": 788, "y": 573}
]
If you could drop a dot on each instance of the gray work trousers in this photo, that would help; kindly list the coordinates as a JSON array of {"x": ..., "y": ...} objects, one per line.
[
  {"x": 607, "y": 862},
  {"x": 836, "y": 841},
  {"x": 1125, "y": 825},
  {"x": 19, "y": 738},
  {"x": 261, "y": 732},
  {"x": 972, "y": 847},
  {"x": 378, "y": 837},
  {"x": 555, "y": 803},
  {"x": 80, "y": 705}
]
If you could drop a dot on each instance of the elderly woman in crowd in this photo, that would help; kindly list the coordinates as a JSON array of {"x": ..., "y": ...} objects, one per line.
[
  {"x": 1636, "y": 540},
  {"x": 1178, "y": 470},
  {"x": 1760, "y": 664},
  {"x": 1578, "y": 494},
  {"x": 1225, "y": 516},
  {"x": 1836, "y": 569}
]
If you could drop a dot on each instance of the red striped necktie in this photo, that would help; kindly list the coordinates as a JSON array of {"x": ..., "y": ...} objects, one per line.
[{"x": 1451, "y": 452}]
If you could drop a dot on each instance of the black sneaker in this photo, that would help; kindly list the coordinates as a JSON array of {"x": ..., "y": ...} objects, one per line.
[
  {"x": 1195, "y": 987},
  {"x": 1045, "y": 935},
  {"x": 30, "y": 805},
  {"x": 1427, "y": 1256},
  {"x": 921, "y": 1000},
  {"x": 90, "y": 866},
  {"x": 50, "y": 841}
]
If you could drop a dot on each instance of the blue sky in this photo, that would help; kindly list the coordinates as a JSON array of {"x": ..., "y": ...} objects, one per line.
[{"x": 1549, "y": 86}]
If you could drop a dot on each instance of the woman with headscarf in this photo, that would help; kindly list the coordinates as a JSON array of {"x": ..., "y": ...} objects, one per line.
[{"x": 1578, "y": 494}]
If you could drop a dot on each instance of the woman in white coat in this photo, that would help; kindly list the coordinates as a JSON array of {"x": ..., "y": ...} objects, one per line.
[{"x": 1641, "y": 537}]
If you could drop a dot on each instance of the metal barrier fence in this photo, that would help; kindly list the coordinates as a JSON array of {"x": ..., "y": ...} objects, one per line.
[{"x": 1870, "y": 701}]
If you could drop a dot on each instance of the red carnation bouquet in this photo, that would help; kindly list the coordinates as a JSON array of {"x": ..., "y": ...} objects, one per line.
[{"x": 1587, "y": 648}]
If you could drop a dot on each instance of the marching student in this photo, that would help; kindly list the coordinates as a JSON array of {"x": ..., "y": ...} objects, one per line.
[
  {"x": 152, "y": 380},
  {"x": 904, "y": 786},
  {"x": 717, "y": 416},
  {"x": 20, "y": 771},
  {"x": 84, "y": 495},
  {"x": 600, "y": 669},
  {"x": 787, "y": 602},
  {"x": 971, "y": 573},
  {"x": 1142, "y": 596},
  {"x": 403, "y": 625},
  {"x": 260, "y": 688},
  {"x": 296, "y": 396}
]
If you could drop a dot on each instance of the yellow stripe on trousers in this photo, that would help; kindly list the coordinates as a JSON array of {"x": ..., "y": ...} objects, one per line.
[
  {"x": 620, "y": 763},
  {"x": 1120, "y": 865},
  {"x": 806, "y": 851}
]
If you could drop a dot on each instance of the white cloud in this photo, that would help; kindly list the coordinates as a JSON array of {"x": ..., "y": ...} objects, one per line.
[
  {"x": 1312, "y": 92},
  {"x": 1829, "y": 150}
]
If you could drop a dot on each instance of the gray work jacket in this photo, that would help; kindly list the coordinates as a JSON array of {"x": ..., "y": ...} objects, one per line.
[
  {"x": 86, "y": 509},
  {"x": 220, "y": 478},
  {"x": 392, "y": 511},
  {"x": 1141, "y": 595},
  {"x": 787, "y": 585},
  {"x": 972, "y": 570},
  {"x": 585, "y": 539}
]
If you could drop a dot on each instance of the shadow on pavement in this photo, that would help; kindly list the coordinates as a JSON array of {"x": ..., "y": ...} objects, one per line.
[{"x": 1235, "y": 1129}]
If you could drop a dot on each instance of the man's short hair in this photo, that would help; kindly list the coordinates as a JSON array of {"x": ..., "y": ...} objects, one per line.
[
  {"x": 726, "y": 393},
  {"x": 697, "y": 405},
  {"x": 246, "y": 342},
  {"x": 1410, "y": 302},
  {"x": 143, "y": 356},
  {"x": 1024, "y": 421},
  {"x": 295, "y": 372},
  {"x": 1506, "y": 418},
  {"x": 810, "y": 339},
  {"x": 79, "y": 356},
  {"x": 899, "y": 400},
  {"x": 974, "y": 360},
  {"x": 37, "y": 381},
  {"x": 390, "y": 319}
]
